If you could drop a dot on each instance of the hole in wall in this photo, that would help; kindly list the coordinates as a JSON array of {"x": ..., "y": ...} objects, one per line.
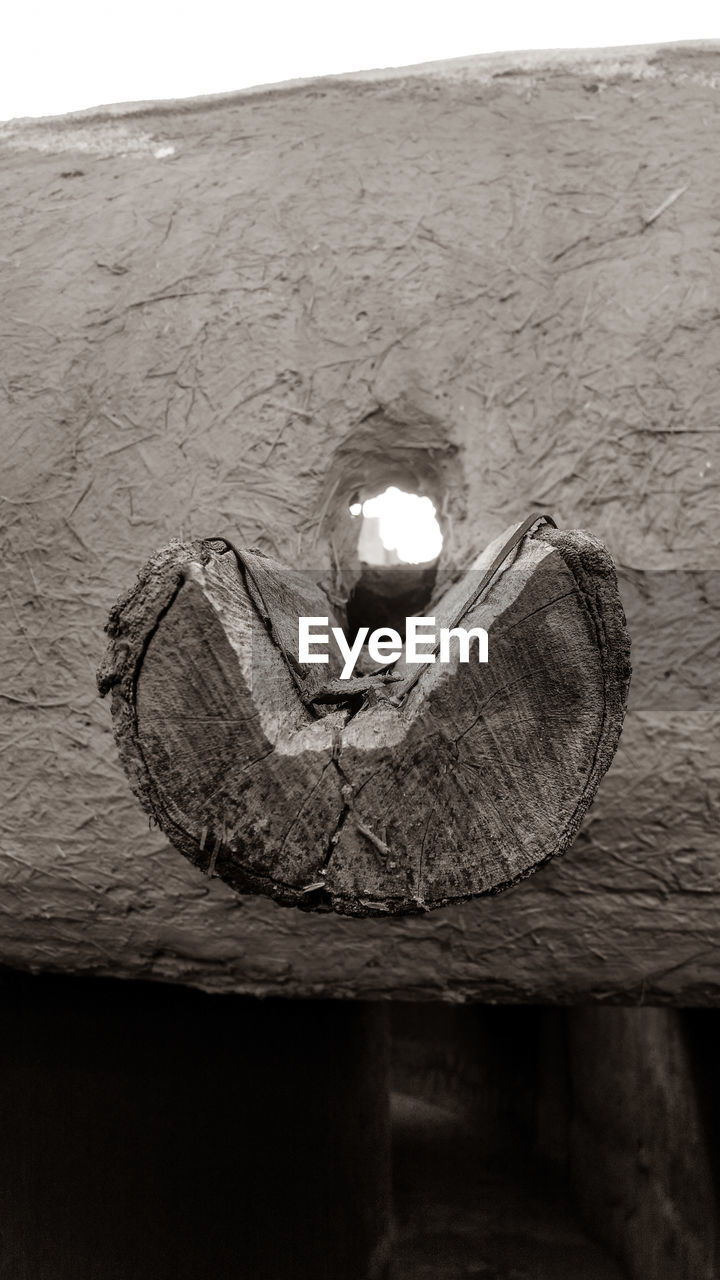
[
  {"x": 399, "y": 541},
  {"x": 416, "y": 456}
]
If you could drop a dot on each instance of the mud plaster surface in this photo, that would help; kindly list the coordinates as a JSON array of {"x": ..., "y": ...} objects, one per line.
[{"x": 509, "y": 277}]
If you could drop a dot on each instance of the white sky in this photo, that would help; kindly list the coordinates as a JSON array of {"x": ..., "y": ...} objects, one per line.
[
  {"x": 65, "y": 55},
  {"x": 407, "y": 524}
]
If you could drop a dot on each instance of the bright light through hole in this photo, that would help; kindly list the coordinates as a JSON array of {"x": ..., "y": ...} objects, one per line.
[{"x": 398, "y": 528}]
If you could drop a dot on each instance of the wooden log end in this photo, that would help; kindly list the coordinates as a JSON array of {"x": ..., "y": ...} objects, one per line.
[{"x": 450, "y": 780}]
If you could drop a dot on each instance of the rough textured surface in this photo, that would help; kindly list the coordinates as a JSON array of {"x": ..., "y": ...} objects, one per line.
[
  {"x": 457, "y": 278},
  {"x": 457, "y": 779}
]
